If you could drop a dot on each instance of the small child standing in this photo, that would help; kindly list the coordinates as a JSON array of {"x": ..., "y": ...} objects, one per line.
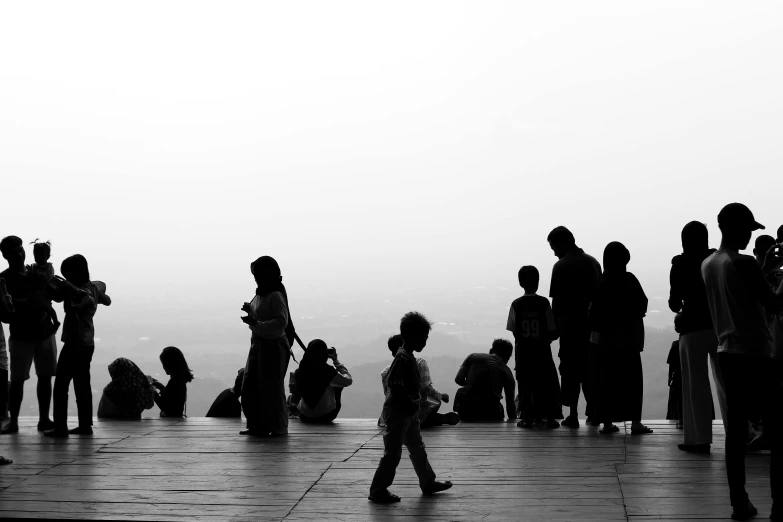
[
  {"x": 41, "y": 253},
  {"x": 400, "y": 414},
  {"x": 172, "y": 398},
  {"x": 531, "y": 321},
  {"x": 81, "y": 298}
]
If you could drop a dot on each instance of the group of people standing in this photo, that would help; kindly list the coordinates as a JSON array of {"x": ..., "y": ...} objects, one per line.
[{"x": 728, "y": 310}]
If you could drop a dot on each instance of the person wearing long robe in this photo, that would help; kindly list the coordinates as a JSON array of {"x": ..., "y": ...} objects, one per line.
[
  {"x": 263, "y": 390},
  {"x": 617, "y": 321}
]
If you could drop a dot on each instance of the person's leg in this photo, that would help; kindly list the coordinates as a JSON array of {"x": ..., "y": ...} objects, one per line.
[
  {"x": 771, "y": 402},
  {"x": 418, "y": 455},
  {"x": 3, "y": 394},
  {"x": 734, "y": 369},
  {"x": 45, "y": 357},
  {"x": 66, "y": 368},
  {"x": 393, "y": 437},
  {"x": 21, "y": 361},
  {"x": 81, "y": 385},
  {"x": 717, "y": 376},
  {"x": 697, "y": 395}
]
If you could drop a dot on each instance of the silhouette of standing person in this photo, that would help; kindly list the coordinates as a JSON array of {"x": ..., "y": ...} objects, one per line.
[
  {"x": 737, "y": 294},
  {"x": 574, "y": 280},
  {"x": 263, "y": 390},
  {"x": 698, "y": 343},
  {"x": 31, "y": 334},
  {"x": 617, "y": 318}
]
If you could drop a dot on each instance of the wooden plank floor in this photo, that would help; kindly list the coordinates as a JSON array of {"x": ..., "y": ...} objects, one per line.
[{"x": 198, "y": 468}]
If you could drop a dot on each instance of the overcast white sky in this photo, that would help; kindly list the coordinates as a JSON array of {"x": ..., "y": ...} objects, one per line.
[{"x": 408, "y": 146}]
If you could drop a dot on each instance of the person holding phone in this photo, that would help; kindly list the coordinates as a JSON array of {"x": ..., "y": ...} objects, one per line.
[{"x": 319, "y": 384}]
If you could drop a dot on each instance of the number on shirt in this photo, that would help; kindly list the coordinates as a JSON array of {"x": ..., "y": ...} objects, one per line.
[{"x": 529, "y": 328}]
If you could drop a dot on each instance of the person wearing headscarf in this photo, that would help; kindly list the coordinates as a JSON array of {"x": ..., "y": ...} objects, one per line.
[
  {"x": 698, "y": 343},
  {"x": 129, "y": 392},
  {"x": 617, "y": 321},
  {"x": 319, "y": 384},
  {"x": 263, "y": 391}
]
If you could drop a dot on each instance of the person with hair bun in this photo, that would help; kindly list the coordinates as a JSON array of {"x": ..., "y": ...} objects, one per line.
[
  {"x": 617, "y": 320},
  {"x": 172, "y": 399},
  {"x": 263, "y": 390}
]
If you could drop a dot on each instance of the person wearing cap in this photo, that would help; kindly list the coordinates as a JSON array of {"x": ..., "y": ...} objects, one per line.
[{"x": 737, "y": 295}]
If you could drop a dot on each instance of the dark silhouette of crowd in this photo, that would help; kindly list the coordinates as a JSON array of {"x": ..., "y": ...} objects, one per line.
[{"x": 728, "y": 317}]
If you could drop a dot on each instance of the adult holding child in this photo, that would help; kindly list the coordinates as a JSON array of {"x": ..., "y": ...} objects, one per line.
[
  {"x": 698, "y": 343},
  {"x": 319, "y": 384},
  {"x": 31, "y": 333},
  {"x": 263, "y": 391},
  {"x": 575, "y": 279}
]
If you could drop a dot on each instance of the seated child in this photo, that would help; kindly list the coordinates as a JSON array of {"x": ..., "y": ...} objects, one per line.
[
  {"x": 41, "y": 253},
  {"x": 172, "y": 398},
  {"x": 531, "y": 321},
  {"x": 227, "y": 403}
]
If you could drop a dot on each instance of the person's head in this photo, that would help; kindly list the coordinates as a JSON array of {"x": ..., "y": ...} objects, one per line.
[
  {"x": 75, "y": 270},
  {"x": 266, "y": 272},
  {"x": 528, "y": 279},
  {"x": 174, "y": 363},
  {"x": 763, "y": 243},
  {"x": 616, "y": 257},
  {"x": 736, "y": 223},
  {"x": 13, "y": 251},
  {"x": 237, "y": 389},
  {"x": 317, "y": 354},
  {"x": 695, "y": 238},
  {"x": 415, "y": 330},
  {"x": 502, "y": 348},
  {"x": 42, "y": 251},
  {"x": 394, "y": 343},
  {"x": 561, "y": 241}
]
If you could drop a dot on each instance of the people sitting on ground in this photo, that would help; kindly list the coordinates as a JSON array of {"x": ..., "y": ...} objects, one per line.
[
  {"x": 429, "y": 405},
  {"x": 128, "y": 394},
  {"x": 531, "y": 321},
  {"x": 172, "y": 399},
  {"x": 617, "y": 320},
  {"x": 80, "y": 298},
  {"x": 319, "y": 384},
  {"x": 674, "y": 406},
  {"x": 227, "y": 403},
  {"x": 485, "y": 378}
]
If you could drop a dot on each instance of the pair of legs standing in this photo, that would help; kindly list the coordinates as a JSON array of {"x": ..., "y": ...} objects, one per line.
[
  {"x": 402, "y": 429},
  {"x": 23, "y": 354},
  {"x": 73, "y": 365},
  {"x": 576, "y": 367},
  {"x": 749, "y": 380},
  {"x": 696, "y": 348}
]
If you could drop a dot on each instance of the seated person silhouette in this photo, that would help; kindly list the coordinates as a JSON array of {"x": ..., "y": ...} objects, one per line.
[
  {"x": 431, "y": 398},
  {"x": 319, "y": 384},
  {"x": 227, "y": 403},
  {"x": 485, "y": 378},
  {"x": 128, "y": 394},
  {"x": 172, "y": 398}
]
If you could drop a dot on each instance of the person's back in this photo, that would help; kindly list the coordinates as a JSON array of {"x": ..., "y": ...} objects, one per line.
[
  {"x": 319, "y": 384},
  {"x": 732, "y": 284},
  {"x": 486, "y": 374},
  {"x": 485, "y": 378},
  {"x": 227, "y": 403}
]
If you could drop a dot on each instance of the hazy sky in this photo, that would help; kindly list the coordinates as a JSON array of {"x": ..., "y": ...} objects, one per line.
[{"x": 373, "y": 148}]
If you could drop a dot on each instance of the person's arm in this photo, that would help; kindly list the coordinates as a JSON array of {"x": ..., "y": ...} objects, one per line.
[
  {"x": 551, "y": 325},
  {"x": 100, "y": 293},
  {"x": 171, "y": 399},
  {"x": 511, "y": 322},
  {"x": 750, "y": 272},
  {"x": 508, "y": 391},
  {"x": 343, "y": 379},
  {"x": 675, "y": 290},
  {"x": 462, "y": 375},
  {"x": 274, "y": 327},
  {"x": 427, "y": 387}
]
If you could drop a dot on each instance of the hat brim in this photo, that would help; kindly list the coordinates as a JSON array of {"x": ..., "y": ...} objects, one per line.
[{"x": 756, "y": 226}]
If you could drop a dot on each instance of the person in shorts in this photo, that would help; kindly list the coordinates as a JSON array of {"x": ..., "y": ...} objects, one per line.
[{"x": 31, "y": 334}]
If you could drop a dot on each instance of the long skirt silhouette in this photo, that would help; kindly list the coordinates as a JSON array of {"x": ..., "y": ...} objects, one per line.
[
  {"x": 263, "y": 392},
  {"x": 620, "y": 384}
]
